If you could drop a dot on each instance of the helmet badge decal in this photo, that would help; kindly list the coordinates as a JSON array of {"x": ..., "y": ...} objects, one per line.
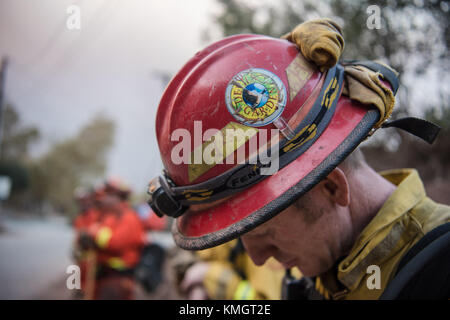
[{"x": 255, "y": 97}]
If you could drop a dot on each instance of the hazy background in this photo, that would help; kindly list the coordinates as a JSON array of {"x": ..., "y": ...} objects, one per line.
[{"x": 58, "y": 79}]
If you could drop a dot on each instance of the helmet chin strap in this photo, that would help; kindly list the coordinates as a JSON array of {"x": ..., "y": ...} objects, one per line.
[
  {"x": 284, "y": 128},
  {"x": 420, "y": 128}
]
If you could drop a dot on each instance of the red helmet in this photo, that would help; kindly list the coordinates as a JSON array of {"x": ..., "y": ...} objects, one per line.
[
  {"x": 117, "y": 186},
  {"x": 258, "y": 86},
  {"x": 81, "y": 193},
  {"x": 83, "y": 196},
  {"x": 98, "y": 192}
]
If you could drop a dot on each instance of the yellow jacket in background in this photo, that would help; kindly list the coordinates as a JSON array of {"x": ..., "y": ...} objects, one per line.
[{"x": 238, "y": 278}]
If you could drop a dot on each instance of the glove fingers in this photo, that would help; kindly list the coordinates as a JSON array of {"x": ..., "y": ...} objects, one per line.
[{"x": 319, "y": 41}]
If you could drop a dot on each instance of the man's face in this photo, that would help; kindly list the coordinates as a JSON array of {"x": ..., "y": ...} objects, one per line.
[{"x": 309, "y": 235}]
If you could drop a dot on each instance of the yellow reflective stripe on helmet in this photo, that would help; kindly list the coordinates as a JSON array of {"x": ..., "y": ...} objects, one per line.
[
  {"x": 117, "y": 263},
  {"x": 244, "y": 291},
  {"x": 103, "y": 236}
]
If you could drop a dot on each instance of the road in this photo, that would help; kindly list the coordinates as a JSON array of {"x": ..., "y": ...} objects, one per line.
[{"x": 35, "y": 254}]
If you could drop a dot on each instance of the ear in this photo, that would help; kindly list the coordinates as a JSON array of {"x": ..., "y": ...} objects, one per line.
[{"x": 336, "y": 187}]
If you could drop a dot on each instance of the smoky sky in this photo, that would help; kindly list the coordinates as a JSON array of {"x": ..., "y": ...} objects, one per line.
[{"x": 59, "y": 79}]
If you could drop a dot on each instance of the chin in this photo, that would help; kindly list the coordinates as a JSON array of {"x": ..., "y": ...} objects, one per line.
[
  {"x": 309, "y": 274},
  {"x": 313, "y": 270}
]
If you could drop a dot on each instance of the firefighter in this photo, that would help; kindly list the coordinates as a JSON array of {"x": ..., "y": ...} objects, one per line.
[
  {"x": 226, "y": 272},
  {"x": 117, "y": 238},
  {"x": 87, "y": 201},
  {"x": 301, "y": 193},
  {"x": 150, "y": 271},
  {"x": 87, "y": 211},
  {"x": 150, "y": 221}
]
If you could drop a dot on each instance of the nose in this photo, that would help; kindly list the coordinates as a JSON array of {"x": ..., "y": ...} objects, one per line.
[{"x": 258, "y": 250}]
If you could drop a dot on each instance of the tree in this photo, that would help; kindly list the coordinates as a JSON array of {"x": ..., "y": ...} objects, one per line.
[
  {"x": 73, "y": 162},
  {"x": 413, "y": 34},
  {"x": 14, "y": 149},
  {"x": 16, "y": 140}
]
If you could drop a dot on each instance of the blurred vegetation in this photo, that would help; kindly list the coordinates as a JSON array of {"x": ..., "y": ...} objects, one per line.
[
  {"x": 71, "y": 163},
  {"x": 16, "y": 139},
  {"x": 413, "y": 34},
  {"x": 47, "y": 183},
  {"x": 18, "y": 174},
  {"x": 14, "y": 149},
  {"x": 413, "y": 37}
]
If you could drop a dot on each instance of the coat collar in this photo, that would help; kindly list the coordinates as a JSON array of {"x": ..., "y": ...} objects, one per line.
[{"x": 380, "y": 236}]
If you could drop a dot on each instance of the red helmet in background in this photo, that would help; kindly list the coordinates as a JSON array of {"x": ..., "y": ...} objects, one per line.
[
  {"x": 82, "y": 194},
  {"x": 252, "y": 86},
  {"x": 118, "y": 187},
  {"x": 84, "y": 198},
  {"x": 98, "y": 192}
]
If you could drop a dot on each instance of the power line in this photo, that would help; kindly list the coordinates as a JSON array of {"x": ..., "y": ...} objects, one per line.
[
  {"x": 107, "y": 8},
  {"x": 51, "y": 42}
]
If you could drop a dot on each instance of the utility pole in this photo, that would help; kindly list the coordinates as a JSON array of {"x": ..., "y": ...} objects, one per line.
[
  {"x": 5, "y": 182},
  {"x": 3, "y": 66}
]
